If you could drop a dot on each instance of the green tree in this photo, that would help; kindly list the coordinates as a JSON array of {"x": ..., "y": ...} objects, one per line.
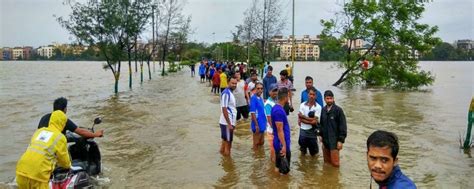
[
  {"x": 394, "y": 38},
  {"x": 102, "y": 24},
  {"x": 330, "y": 49}
]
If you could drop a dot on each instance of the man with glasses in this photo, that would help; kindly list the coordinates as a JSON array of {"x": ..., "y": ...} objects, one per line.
[{"x": 257, "y": 112}]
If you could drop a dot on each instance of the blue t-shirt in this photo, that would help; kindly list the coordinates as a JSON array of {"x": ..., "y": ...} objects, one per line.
[
  {"x": 202, "y": 69},
  {"x": 256, "y": 106},
  {"x": 319, "y": 97},
  {"x": 279, "y": 115},
  {"x": 211, "y": 72}
]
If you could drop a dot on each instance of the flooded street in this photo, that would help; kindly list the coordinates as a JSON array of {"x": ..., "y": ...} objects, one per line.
[{"x": 165, "y": 133}]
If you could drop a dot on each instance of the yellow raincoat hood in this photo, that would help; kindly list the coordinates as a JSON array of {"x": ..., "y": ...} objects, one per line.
[{"x": 57, "y": 121}]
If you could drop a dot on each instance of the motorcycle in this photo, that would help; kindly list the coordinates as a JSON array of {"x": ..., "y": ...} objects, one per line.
[{"x": 86, "y": 162}]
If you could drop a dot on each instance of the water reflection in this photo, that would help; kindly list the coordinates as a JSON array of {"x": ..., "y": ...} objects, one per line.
[{"x": 231, "y": 177}]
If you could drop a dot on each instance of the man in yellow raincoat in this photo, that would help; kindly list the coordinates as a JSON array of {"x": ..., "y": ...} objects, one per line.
[{"x": 48, "y": 149}]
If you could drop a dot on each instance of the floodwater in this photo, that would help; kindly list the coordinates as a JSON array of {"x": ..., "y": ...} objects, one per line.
[{"x": 164, "y": 132}]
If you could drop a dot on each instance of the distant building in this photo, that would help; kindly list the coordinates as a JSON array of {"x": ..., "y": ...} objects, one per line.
[
  {"x": 27, "y": 52},
  {"x": 465, "y": 44},
  {"x": 1, "y": 53},
  {"x": 306, "y": 47},
  {"x": 7, "y": 53},
  {"x": 302, "y": 52},
  {"x": 279, "y": 40},
  {"x": 17, "y": 53},
  {"x": 45, "y": 51},
  {"x": 356, "y": 44}
]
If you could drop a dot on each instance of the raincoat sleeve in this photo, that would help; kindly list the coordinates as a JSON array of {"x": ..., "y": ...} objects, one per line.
[
  {"x": 62, "y": 153},
  {"x": 342, "y": 126}
]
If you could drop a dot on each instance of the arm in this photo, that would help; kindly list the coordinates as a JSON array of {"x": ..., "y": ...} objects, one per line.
[
  {"x": 253, "y": 107},
  {"x": 342, "y": 127},
  {"x": 224, "y": 105},
  {"x": 88, "y": 134},
  {"x": 62, "y": 153},
  {"x": 281, "y": 137}
]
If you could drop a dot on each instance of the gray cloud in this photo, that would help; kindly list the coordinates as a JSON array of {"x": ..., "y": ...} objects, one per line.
[{"x": 31, "y": 22}]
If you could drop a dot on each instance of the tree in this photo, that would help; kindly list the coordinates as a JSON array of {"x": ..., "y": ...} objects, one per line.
[
  {"x": 330, "y": 49},
  {"x": 261, "y": 23},
  {"x": 109, "y": 26},
  {"x": 172, "y": 19},
  {"x": 393, "y": 39}
]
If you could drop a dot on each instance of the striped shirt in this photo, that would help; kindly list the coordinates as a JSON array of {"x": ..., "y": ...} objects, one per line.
[{"x": 228, "y": 102}]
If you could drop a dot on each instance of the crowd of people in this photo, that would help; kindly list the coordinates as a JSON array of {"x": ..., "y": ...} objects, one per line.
[{"x": 268, "y": 103}]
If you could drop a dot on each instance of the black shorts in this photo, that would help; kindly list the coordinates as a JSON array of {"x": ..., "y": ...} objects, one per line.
[
  {"x": 226, "y": 133},
  {"x": 203, "y": 76},
  {"x": 287, "y": 108},
  {"x": 308, "y": 143},
  {"x": 278, "y": 156},
  {"x": 243, "y": 111}
]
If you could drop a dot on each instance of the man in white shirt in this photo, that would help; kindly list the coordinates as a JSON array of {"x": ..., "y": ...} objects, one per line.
[
  {"x": 308, "y": 118},
  {"x": 241, "y": 98},
  {"x": 228, "y": 117}
]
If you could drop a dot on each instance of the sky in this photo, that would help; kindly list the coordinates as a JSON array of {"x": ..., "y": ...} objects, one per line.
[{"x": 32, "y": 22}]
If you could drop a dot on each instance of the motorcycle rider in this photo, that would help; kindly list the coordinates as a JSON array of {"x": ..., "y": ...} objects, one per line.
[
  {"x": 61, "y": 104},
  {"x": 47, "y": 149}
]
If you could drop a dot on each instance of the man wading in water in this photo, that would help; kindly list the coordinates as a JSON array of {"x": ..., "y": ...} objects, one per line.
[{"x": 228, "y": 117}]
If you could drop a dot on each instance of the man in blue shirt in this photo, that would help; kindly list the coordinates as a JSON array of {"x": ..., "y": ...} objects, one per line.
[
  {"x": 382, "y": 150},
  {"x": 257, "y": 112},
  {"x": 304, "y": 94},
  {"x": 268, "y": 80},
  {"x": 202, "y": 72},
  {"x": 281, "y": 130}
]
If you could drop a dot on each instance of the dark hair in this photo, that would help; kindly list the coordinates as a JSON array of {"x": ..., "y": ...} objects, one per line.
[
  {"x": 270, "y": 68},
  {"x": 308, "y": 78},
  {"x": 312, "y": 89},
  {"x": 60, "y": 104},
  {"x": 258, "y": 83},
  {"x": 328, "y": 93},
  {"x": 382, "y": 139},
  {"x": 282, "y": 93},
  {"x": 284, "y": 73}
]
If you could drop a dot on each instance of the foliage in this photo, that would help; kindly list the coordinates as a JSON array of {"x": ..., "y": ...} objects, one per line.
[
  {"x": 393, "y": 38},
  {"x": 446, "y": 51}
]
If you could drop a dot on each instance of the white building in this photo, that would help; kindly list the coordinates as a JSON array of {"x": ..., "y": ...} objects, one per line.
[
  {"x": 17, "y": 53},
  {"x": 302, "y": 52},
  {"x": 45, "y": 51}
]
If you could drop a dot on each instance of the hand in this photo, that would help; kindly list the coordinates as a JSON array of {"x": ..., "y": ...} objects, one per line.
[
  {"x": 339, "y": 145},
  {"x": 257, "y": 129},
  {"x": 283, "y": 151},
  {"x": 299, "y": 122},
  {"x": 99, "y": 133},
  {"x": 230, "y": 127}
]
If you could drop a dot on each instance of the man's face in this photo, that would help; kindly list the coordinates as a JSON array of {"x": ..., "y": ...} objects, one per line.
[
  {"x": 259, "y": 89},
  {"x": 237, "y": 75},
  {"x": 311, "y": 96},
  {"x": 282, "y": 77},
  {"x": 269, "y": 72},
  {"x": 254, "y": 77},
  {"x": 309, "y": 83},
  {"x": 274, "y": 94},
  {"x": 232, "y": 83},
  {"x": 380, "y": 162},
  {"x": 329, "y": 100}
]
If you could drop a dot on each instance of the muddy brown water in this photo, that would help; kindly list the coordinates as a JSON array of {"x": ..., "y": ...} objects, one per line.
[{"x": 164, "y": 132}]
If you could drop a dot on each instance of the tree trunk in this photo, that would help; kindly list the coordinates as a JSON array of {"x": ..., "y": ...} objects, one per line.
[
  {"x": 129, "y": 71},
  {"x": 149, "y": 71}
]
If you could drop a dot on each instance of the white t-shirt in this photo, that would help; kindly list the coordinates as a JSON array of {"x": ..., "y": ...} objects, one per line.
[
  {"x": 228, "y": 101},
  {"x": 239, "y": 94},
  {"x": 305, "y": 109}
]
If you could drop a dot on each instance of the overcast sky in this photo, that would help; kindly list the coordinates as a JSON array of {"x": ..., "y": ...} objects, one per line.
[{"x": 31, "y": 22}]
